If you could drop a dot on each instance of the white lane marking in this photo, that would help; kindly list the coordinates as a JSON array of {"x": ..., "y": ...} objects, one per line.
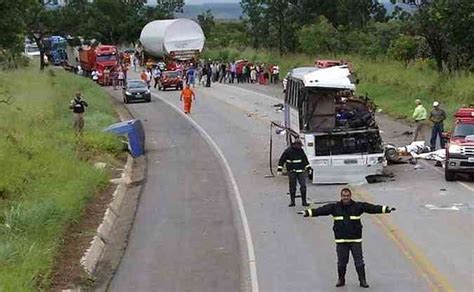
[
  {"x": 442, "y": 172},
  {"x": 238, "y": 197}
]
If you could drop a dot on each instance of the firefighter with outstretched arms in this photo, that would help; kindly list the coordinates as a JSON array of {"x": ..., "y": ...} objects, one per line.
[{"x": 348, "y": 231}]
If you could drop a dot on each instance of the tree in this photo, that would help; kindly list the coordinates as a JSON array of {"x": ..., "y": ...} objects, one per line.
[
  {"x": 448, "y": 27},
  {"x": 206, "y": 21},
  {"x": 273, "y": 22},
  {"x": 320, "y": 37},
  {"x": 276, "y": 22},
  {"x": 113, "y": 21},
  {"x": 254, "y": 10},
  {"x": 39, "y": 21},
  {"x": 12, "y": 36},
  {"x": 404, "y": 49}
]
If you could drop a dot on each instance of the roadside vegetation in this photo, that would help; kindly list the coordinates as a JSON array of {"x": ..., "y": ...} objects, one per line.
[
  {"x": 420, "y": 49},
  {"x": 46, "y": 174}
]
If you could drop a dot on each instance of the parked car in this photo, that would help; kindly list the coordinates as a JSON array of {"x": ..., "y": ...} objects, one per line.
[
  {"x": 460, "y": 148},
  {"x": 331, "y": 63},
  {"x": 32, "y": 50},
  {"x": 171, "y": 79},
  {"x": 136, "y": 90}
]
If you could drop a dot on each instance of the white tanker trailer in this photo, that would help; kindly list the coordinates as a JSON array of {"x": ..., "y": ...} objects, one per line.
[{"x": 176, "y": 38}]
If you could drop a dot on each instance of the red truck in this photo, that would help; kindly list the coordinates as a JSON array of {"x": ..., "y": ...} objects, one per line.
[
  {"x": 103, "y": 58},
  {"x": 460, "y": 149}
]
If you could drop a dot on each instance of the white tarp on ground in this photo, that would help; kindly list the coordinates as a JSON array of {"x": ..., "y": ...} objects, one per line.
[
  {"x": 419, "y": 150},
  {"x": 162, "y": 37},
  {"x": 338, "y": 77},
  {"x": 438, "y": 155}
]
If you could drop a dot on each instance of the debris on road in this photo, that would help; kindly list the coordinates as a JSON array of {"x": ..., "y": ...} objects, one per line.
[
  {"x": 393, "y": 153},
  {"x": 449, "y": 207}
]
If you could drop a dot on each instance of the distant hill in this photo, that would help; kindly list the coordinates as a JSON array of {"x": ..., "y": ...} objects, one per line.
[
  {"x": 233, "y": 11},
  {"x": 227, "y": 11}
]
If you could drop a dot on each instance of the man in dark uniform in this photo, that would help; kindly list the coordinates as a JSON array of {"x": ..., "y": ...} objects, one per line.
[
  {"x": 348, "y": 231},
  {"x": 78, "y": 106},
  {"x": 296, "y": 164}
]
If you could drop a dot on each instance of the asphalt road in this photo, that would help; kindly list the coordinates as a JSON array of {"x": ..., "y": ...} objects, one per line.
[
  {"x": 184, "y": 237},
  {"x": 417, "y": 248}
]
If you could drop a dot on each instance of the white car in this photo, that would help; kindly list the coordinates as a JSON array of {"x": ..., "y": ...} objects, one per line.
[{"x": 32, "y": 50}]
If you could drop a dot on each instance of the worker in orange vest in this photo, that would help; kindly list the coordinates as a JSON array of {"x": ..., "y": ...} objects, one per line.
[
  {"x": 188, "y": 95},
  {"x": 144, "y": 76}
]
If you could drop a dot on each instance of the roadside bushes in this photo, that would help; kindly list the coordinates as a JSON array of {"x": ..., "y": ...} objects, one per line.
[{"x": 46, "y": 173}]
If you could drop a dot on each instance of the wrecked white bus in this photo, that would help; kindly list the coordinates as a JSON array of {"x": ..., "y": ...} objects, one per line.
[{"x": 338, "y": 129}]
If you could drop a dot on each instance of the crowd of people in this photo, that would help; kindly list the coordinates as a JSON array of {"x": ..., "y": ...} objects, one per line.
[{"x": 206, "y": 73}]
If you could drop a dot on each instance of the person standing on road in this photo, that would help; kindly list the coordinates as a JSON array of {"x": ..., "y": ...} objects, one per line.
[
  {"x": 296, "y": 164},
  {"x": 437, "y": 117},
  {"x": 78, "y": 106},
  {"x": 208, "y": 76},
  {"x": 253, "y": 74},
  {"x": 190, "y": 76},
  {"x": 133, "y": 62},
  {"x": 188, "y": 95},
  {"x": 419, "y": 115},
  {"x": 222, "y": 72},
  {"x": 121, "y": 76},
  {"x": 144, "y": 77},
  {"x": 125, "y": 72},
  {"x": 348, "y": 231},
  {"x": 148, "y": 77},
  {"x": 156, "y": 76},
  {"x": 106, "y": 76},
  {"x": 233, "y": 70},
  {"x": 275, "y": 74},
  {"x": 204, "y": 75}
]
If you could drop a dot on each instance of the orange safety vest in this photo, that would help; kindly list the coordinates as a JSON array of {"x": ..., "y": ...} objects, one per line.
[
  {"x": 187, "y": 94},
  {"x": 144, "y": 77}
]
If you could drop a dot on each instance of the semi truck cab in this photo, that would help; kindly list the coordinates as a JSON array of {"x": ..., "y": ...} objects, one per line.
[
  {"x": 460, "y": 148},
  {"x": 99, "y": 58}
]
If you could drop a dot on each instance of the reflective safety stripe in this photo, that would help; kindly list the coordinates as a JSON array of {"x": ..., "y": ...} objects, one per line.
[
  {"x": 280, "y": 167},
  {"x": 355, "y": 217},
  {"x": 384, "y": 209},
  {"x": 348, "y": 240},
  {"x": 307, "y": 166},
  {"x": 338, "y": 217},
  {"x": 294, "y": 161},
  {"x": 298, "y": 170},
  {"x": 310, "y": 213}
]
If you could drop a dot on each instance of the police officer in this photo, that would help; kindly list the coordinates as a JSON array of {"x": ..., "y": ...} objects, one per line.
[
  {"x": 78, "y": 106},
  {"x": 348, "y": 231},
  {"x": 296, "y": 165}
]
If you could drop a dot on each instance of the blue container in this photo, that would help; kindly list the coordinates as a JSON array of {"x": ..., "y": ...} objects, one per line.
[{"x": 133, "y": 129}]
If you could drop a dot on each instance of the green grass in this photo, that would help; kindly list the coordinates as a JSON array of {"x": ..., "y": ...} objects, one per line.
[
  {"x": 393, "y": 86},
  {"x": 46, "y": 173}
]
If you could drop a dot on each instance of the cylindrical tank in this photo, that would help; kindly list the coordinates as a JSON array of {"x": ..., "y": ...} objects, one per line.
[{"x": 161, "y": 37}]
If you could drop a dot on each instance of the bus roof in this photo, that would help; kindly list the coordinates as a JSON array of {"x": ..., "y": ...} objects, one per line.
[{"x": 337, "y": 77}]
